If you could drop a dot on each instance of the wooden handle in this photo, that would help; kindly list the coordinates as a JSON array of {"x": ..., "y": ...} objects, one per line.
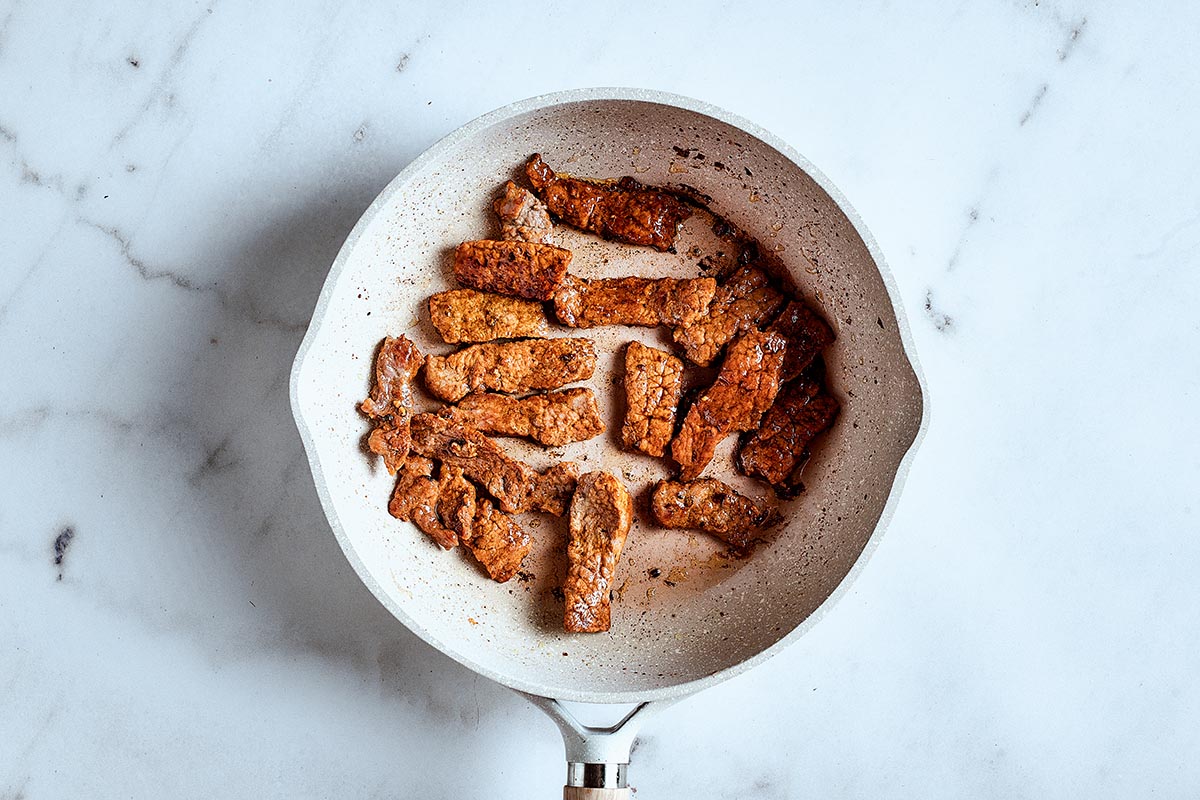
[{"x": 580, "y": 793}]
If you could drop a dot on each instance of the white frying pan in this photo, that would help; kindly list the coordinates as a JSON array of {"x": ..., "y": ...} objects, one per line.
[{"x": 684, "y": 617}]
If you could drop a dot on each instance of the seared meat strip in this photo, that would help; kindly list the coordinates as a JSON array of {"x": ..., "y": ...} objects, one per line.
[
  {"x": 582, "y": 303},
  {"x": 742, "y": 303},
  {"x": 465, "y": 315},
  {"x": 744, "y": 389},
  {"x": 522, "y": 269},
  {"x": 653, "y": 385},
  {"x": 624, "y": 210},
  {"x": 806, "y": 333},
  {"x": 456, "y": 501},
  {"x": 554, "y": 418},
  {"x": 390, "y": 401},
  {"x": 415, "y": 498},
  {"x": 516, "y": 486},
  {"x": 510, "y": 367},
  {"x": 778, "y": 450},
  {"x": 497, "y": 541},
  {"x": 712, "y": 506},
  {"x": 601, "y": 513},
  {"x": 523, "y": 217}
]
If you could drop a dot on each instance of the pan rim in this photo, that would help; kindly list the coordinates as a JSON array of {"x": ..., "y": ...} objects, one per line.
[{"x": 480, "y": 123}]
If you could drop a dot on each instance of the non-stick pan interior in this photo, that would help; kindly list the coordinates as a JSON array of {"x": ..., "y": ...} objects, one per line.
[{"x": 682, "y": 611}]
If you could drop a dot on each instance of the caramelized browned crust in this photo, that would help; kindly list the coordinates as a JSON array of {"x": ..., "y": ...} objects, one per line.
[
  {"x": 582, "y": 303},
  {"x": 516, "y": 486},
  {"x": 712, "y": 506},
  {"x": 742, "y": 303},
  {"x": 745, "y": 388},
  {"x": 806, "y": 333},
  {"x": 415, "y": 498},
  {"x": 523, "y": 217},
  {"x": 623, "y": 210},
  {"x": 778, "y": 450},
  {"x": 554, "y": 418},
  {"x": 456, "y": 501},
  {"x": 497, "y": 541},
  {"x": 390, "y": 401},
  {"x": 522, "y": 269},
  {"x": 511, "y": 367},
  {"x": 465, "y": 315},
  {"x": 601, "y": 513},
  {"x": 653, "y": 385}
]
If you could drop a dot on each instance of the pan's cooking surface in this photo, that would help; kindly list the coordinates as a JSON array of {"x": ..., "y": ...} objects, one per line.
[{"x": 683, "y": 612}]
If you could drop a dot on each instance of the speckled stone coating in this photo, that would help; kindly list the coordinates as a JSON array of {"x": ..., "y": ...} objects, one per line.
[{"x": 683, "y": 617}]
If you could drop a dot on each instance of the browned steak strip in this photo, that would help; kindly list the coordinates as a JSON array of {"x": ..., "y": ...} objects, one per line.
[
  {"x": 456, "y": 501},
  {"x": 497, "y": 541},
  {"x": 523, "y": 217},
  {"x": 778, "y": 450},
  {"x": 806, "y": 333},
  {"x": 390, "y": 401},
  {"x": 415, "y": 498},
  {"x": 653, "y": 385},
  {"x": 712, "y": 506},
  {"x": 516, "y": 486},
  {"x": 624, "y": 210},
  {"x": 465, "y": 315},
  {"x": 582, "y": 303},
  {"x": 554, "y": 418},
  {"x": 511, "y": 367},
  {"x": 743, "y": 302},
  {"x": 522, "y": 269},
  {"x": 601, "y": 513},
  {"x": 744, "y": 389}
]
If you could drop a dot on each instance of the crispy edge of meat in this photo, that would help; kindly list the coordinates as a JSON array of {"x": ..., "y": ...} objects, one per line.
[
  {"x": 392, "y": 440},
  {"x": 778, "y": 450},
  {"x": 807, "y": 334},
  {"x": 389, "y": 402},
  {"x": 600, "y": 518},
  {"x": 456, "y": 501},
  {"x": 523, "y": 216},
  {"x": 510, "y": 367},
  {"x": 515, "y": 485},
  {"x": 415, "y": 499},
  {"x": 633, "y": 300},
  {"x": 551, "y": 418},
  {"x": 744, "y": 389},
  {"x": 624, "y": 210},
  {"x": 469, "y": 316},
  {"x": 497, "y": 541},
  {"x": 711, "y": 506},
  {"x": 653, "y": 387},
  {"x": 743, "y": 302},
  {"x": 523, "y": 269}
]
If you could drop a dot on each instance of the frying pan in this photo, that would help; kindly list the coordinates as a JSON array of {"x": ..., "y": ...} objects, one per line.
[{"x": 685, "y": 617}]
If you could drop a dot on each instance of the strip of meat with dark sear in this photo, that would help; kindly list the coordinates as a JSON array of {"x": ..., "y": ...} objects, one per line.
[
  {"x": 743, "y": 391},
  {"x": 516, "y": 486},
  {"x": 624, "y": 210},
  {"x": 456, "y": 501},
  {"x": 415, "y": 499},
  {"x": 779, "y": 449},
  {"x": 583, "y": 303},
  {"x": 390, "y": 401},
  {"x": 806, "y": 333},
  {"x": 553, "y": 418},
  {"x": 522, "y": 269},
  {"x": 497, "y": 541},
  {"x": 601, "y": 513},
  {"x": 465, "y": 316},
  {"x": 653, "y": 386},
  {"x": 742, "y": 303},
  {"x": 523, "y": 216},
  {"x": 511, "y": 367},
  {"x": 712, "y": 506}
]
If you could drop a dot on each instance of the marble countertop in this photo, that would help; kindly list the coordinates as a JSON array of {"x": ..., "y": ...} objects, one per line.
[{"x": 176, "y": 618}]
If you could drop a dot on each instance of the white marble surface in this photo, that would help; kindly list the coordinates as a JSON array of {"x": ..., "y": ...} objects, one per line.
[{"x": 173, "y": 187}]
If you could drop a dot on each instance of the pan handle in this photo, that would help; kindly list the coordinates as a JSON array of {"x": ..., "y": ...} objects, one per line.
[{"x": 597, "y": 758}]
